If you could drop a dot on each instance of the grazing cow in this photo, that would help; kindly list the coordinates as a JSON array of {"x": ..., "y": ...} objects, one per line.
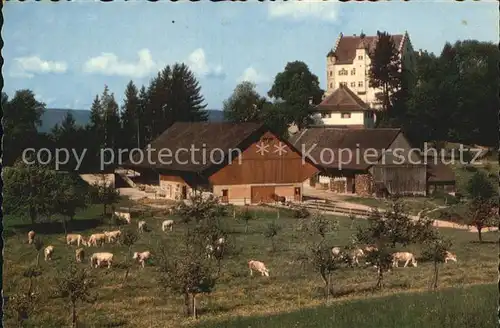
[
  {"x": 279, "y": 199},
  {"x": 31, "y": 237},
  {"x": 336, "y": 251},
  {"x": 167, "y": 224},
  {"x": 75, "y": 238},
  {"x": 80, "y": 255},
  {"x": 97, "y": 238},
  {"x": 142, "y": 257},
  {"x": 371, "y": 248},
  {"x": 48, "y": 251},
  {"x": 141, "y": 225},
  {"x": 403, "y": 256},
  {"x": 113, "y": 236},
  {"x": 124, "y": 216},
  {"x": 259, "y": 267},
  {"x": 450, "y": 257},
  {"x": 98, "y": 258}
]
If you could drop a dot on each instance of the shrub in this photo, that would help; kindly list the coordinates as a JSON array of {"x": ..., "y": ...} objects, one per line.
[{"x": 301, "y": 212}]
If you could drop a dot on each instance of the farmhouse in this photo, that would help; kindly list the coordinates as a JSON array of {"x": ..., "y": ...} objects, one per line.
[
  {"x": 242, "y": 163},
  {"x": 363, "y": 161},
  {"x": 344, "y": 108}
]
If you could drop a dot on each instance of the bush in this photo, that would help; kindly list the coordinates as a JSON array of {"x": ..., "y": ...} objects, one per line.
[
  {"x": 449, "y": 199},
  {"x": 300, "y": 212}
]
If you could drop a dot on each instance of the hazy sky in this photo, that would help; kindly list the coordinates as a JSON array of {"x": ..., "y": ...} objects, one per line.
[{"x": 67, "y": 52}]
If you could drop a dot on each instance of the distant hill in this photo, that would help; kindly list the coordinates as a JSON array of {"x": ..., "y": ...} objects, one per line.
[{"x": 53, "y": 116}]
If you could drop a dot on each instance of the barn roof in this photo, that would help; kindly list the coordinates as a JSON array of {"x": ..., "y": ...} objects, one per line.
[
  {"x": 342, "y": 100},
  {"x": 345, "y": 52},
  {"x": 210, "y": 136},
  {"x": 439, "y": 172},
  {"x": 326, "y": 140},
  {"x": 214, "y": 141}
]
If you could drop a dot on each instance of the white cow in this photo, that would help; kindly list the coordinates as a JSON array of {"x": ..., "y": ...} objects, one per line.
[
  {"x": 80, "y": 255},
  {"x": 112, "y": 236},
  {"x": 336, "y": 251},
  {"x": 167, "y": 224},
  {"x": 98, "y": 258},
  {"x": 97, "y": 238},
  {"x": 355, "y": 255},
  {"x": 31, "y": 237},
  {"x": 75, "y": 238},
  {"x": 48, "y": 251},
  {"x": 141, "y": 225},
  {"x": 450, "y": 257},
  {"x": 259, "y": 267},
  {"x": 124, "y": 215},
  {"x": 142, "y": 257},
  {"x": 403, "y": 256}
]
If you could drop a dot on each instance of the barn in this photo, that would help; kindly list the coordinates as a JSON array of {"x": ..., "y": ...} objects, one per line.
[
  {"x": 363, "y": 161},
  {"x": 242, "y": 163}
]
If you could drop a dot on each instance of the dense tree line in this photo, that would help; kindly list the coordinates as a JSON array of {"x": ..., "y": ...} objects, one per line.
[
  {"x": 172, "y": 95},
  {"x": 450, "y": 97}
]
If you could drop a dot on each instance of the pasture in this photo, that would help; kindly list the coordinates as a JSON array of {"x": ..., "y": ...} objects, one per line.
[{"x": 290, "y": 287}]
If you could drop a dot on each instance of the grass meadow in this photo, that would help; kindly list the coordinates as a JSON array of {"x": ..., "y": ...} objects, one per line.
[{"x": 292, "y": 296}]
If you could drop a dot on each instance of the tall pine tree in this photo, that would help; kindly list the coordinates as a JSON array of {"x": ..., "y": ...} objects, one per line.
[
  {"x": 130, "y": 117},
  {"x": 385, "y": 70}
]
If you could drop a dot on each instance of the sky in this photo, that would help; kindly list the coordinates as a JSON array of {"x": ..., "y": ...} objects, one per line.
[{"x": 66, "y": 52}]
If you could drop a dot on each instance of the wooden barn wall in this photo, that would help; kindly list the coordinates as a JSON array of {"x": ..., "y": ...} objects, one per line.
[
  {"x": 402, "y": 179},
  {"x": 403, "y": 150},
  {"x": 268, "y": 168}
]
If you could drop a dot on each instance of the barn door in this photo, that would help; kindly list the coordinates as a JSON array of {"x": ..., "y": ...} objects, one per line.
[{"x": 262, "y": 194}]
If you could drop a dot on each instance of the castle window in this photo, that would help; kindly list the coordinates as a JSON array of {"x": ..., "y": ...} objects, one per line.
[
  {"x": 343, "y": 71},
  {"x": 342, "y": 84},
  {"x": 331, "y": 85},
  {"x": 353, "y": 84},
  {"x": 360, "y": 84},
  {"x": 353, "y": 71},
  {"x": 331, "y": 73},
  {"x": 346, "y": 115},
  {"x": 360, "y": 57}
]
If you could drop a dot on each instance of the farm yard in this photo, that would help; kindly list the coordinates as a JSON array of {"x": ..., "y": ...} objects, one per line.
[{"x": 293, "y": 294}]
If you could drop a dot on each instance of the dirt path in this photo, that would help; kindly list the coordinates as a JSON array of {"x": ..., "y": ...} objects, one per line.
[{"x": 336, "y": 199}]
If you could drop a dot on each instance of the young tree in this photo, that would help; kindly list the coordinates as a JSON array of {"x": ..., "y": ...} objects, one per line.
[
  {"x": 23, "y": 305},
  {"x": 271, "y": 232},
  {"x": 188, "y": 271},
  {"x": 384, "y": 70},
  {"x": 101, "y": 192},
  {"x": 387, "y": 231},
  {"x": 75, "y": 285},
  {"x": 244, "y": 105},
  {"x": 128, "y": 238},
  {"x": 482, "y": 213},
  {"x": 38, "y": 245},
  {"x": 70, "y": 196},
  {"x": 435, "y": 250},
  {"x": 299, "y": 90},
  {"x": 246, "y": 216},
  {"x": 320, "y": 255}
]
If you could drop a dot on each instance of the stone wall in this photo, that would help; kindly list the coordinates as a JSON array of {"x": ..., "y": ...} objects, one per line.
[{"x": 363, "y": 184}]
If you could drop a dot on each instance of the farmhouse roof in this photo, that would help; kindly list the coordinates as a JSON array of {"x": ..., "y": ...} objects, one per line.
[
  {"x": 320, "y": 142},
  {"x": 345, "y": 52},
  {"x": 342, "y": 99}
]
